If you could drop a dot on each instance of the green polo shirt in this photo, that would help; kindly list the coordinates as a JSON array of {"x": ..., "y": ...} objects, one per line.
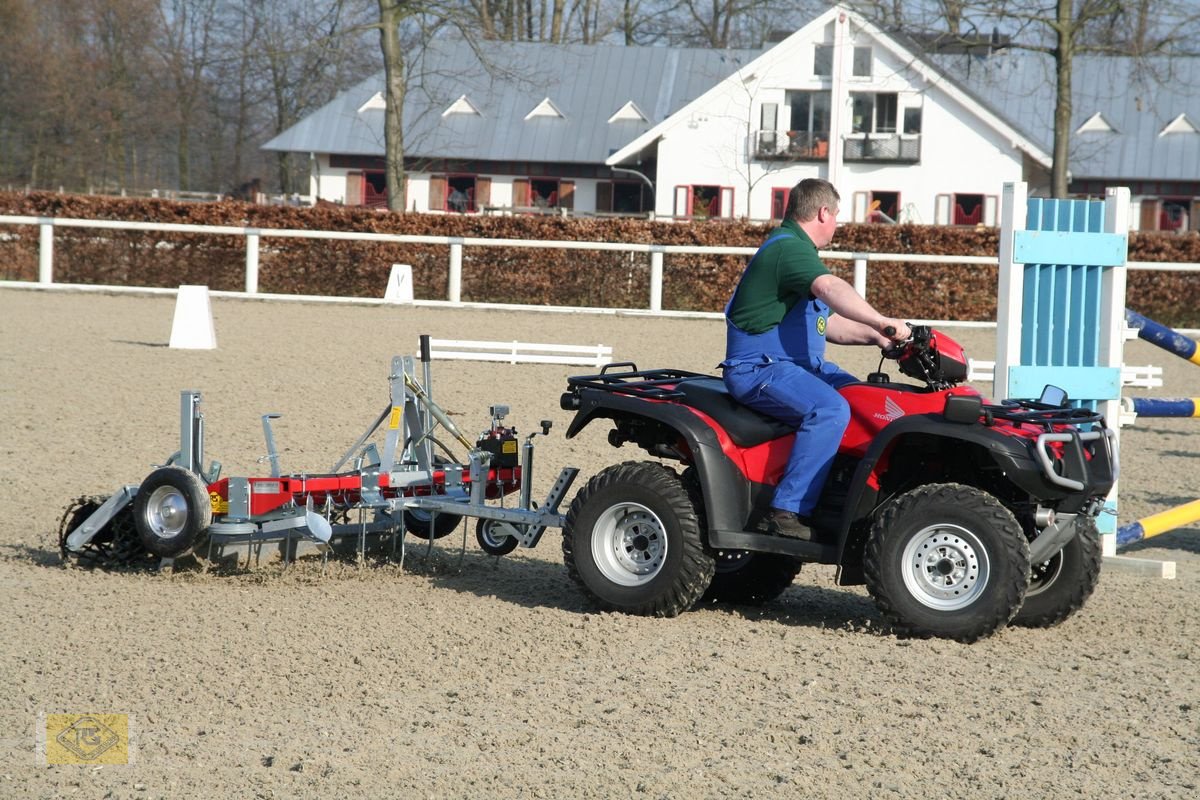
[{"x": 780, "y": 277}]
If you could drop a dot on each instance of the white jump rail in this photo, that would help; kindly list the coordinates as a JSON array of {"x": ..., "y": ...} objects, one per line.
[
  {"x": 521, "y": 352},
  {"x": 456, "y": 244}
]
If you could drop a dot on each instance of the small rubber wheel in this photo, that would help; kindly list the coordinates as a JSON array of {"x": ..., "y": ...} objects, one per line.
[
  {"x": 171, "y": 510},
  {"x": 632, "y": 541},
  {"x": 949, "y": 561},
  {"x": 494, "y": 541},
  {"x": 1059, "y": 586},
  {"x": 420, "y": 522},
  {"x": 747, "y": 578}
]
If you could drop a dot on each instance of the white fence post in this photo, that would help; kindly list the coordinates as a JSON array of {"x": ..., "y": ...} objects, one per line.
[
  {"x": 656, "y": 278},
  {"x": 45, "y": 251},
  {"x": 454, "y": 294},
  {"x": 252, "y": 261},
  {"x": 860, "y": 274}
]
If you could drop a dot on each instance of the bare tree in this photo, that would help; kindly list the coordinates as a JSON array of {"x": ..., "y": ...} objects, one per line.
[{"x": 1062, "y": 29}]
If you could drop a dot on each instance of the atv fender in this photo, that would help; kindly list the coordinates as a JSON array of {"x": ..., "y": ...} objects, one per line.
[
  {"x": 861, "y": 498},
  {"x": 726, "y": 492}
]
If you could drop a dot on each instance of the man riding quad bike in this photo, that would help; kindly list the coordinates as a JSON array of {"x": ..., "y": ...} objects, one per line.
[{"x": 958, "y": 515}]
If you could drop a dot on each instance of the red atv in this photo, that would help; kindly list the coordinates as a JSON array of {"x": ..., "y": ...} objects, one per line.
[{"x": 959, "y": 515}]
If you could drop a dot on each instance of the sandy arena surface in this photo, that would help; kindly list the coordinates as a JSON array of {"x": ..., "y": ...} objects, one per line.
[{"x": 496, "y": 678}]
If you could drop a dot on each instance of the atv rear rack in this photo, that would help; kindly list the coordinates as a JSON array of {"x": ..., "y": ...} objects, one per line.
[{"x": 657, "y": 384}]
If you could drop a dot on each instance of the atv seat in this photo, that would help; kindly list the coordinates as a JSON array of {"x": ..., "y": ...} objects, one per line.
[{"x": 745, "y": 426}]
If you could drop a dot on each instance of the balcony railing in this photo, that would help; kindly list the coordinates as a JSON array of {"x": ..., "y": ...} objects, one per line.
[
  {"x": 883, "y": 147},
  {"x": 791, "y": 146}
]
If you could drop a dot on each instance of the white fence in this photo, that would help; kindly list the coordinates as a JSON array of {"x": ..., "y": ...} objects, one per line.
[{"x": 656, "y": 253}]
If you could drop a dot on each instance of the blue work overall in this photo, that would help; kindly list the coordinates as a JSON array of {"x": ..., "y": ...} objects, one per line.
[{"x": 782, "y": 372}]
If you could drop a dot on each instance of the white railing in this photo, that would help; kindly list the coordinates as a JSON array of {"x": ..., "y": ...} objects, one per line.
[{"x": 656, "y": 252}]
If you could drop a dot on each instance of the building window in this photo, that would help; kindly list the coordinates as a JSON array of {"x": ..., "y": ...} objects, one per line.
[
  {"x": 862, "y": 62},
  {"x": 621, "y": 197},
  {"x": 873, "y": 112},
  {"x": 702, "y": 202},
  {"x": 779, "y": 198},
  {"x": 912, "y": 120},
  {"x": 968, "y": 209},
  {"x": 459, "y": 194},
  {"x": 884, "y": 207},
  {"x": 375, "y": 189},
  {"x": 543, "y": 193},
  {"x": 823, "y": 60}
]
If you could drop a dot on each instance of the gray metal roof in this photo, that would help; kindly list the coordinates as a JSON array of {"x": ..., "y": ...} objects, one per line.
[
  {"x": 1138, "y": 99},
  {"x": 588, "y": 84}
]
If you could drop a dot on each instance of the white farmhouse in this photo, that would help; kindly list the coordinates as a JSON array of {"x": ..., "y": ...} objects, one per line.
[{"x": 693, "y": 133}]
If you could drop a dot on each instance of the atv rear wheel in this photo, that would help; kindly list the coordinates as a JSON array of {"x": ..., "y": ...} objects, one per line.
[
  {"x": 949, "y": 561},
  {"x": 750, "y": 578},
  {"x": 1060, "y": 585},
  {"x": 632, "y": 541}
]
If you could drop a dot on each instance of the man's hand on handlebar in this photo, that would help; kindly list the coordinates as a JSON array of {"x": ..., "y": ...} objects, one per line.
[{"x": 897, "y": 332}]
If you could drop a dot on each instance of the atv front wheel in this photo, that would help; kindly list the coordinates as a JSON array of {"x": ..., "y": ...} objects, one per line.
[
  {"x": 750, "y": 578},
  {"x": 1060, "y": 585},
  {"x": 632, "y": 541},
  {"x": 949, "y": 561}
]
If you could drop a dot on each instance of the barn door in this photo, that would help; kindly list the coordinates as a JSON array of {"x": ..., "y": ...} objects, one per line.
[
  {"x": 566, "y": 194},
  {"x": 354, "y": 188},
  {"x": 437, "y": 192},
  {"x": 520, "y": 192},
  {"x": 483, "y": 193}
]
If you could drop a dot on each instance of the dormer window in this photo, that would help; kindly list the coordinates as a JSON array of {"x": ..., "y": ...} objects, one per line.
[
  {"x": 461, "y": 106},
  {"x": 376, "y": 103},
  {"x": 545, "y": 109},
  {"x": 1180, "y": 124},
  {"x": 628, "y": 113},
  {"x": 1096, "y": 123}
]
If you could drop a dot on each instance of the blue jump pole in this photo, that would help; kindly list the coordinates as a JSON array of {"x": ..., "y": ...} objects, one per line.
[
  {"x": 1166, "y": 407},
  {"x": 1160, "y": 335}
]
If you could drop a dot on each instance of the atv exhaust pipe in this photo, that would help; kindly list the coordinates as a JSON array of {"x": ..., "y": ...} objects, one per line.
[{"x": 1053, "y": 538}]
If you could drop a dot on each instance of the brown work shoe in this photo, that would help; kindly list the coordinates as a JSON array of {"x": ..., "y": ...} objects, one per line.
[{"x": 786, "y": 523}]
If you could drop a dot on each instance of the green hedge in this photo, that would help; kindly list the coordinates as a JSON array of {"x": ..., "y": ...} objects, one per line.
[{"x": 520, "y": 275}]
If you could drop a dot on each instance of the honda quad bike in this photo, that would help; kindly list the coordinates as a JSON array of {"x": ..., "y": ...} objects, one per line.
[{"x": 959, "y": 515}]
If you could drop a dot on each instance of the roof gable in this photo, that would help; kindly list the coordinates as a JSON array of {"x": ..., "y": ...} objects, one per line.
[
  {"x": 1181, "y": 124},
  {"x": 1096, "y": 123},
  {"x": 461, "y": 106},
  {"x": 814, "y": 32},
  {"x": 546, "y": 108},
  {"x": 628, "y": 113}
]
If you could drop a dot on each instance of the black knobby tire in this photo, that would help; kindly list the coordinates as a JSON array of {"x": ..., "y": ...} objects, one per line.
[
  {"x": 420, "y": 523},
  {"x": 749, "y": 578},
  {"x": 171, "y": 511},
  {"x": 947, "y": 560},
  {"x": 1061, "y": 585},
  {"x": 633, "y": 541},
  {"x": 491, "y": 540}
]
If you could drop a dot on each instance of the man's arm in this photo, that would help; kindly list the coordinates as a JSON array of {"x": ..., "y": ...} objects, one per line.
[{"x": 857, "y": 321}]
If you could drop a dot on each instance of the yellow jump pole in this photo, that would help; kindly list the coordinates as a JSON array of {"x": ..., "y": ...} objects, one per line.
[{"x": 1158, "y": 523}]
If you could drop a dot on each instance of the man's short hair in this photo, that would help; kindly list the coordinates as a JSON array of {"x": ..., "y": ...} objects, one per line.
[{"x": 808, "y": 197}]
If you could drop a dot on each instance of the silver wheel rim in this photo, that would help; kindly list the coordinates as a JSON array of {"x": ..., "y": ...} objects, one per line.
[
  {"x": 166, "y": 512},
  {"x": 1043, "y": 575},
  {"x": 629, "y": 544},
  {"x": 488, "y": 535},
  {"x": 945, "y": 567}
]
